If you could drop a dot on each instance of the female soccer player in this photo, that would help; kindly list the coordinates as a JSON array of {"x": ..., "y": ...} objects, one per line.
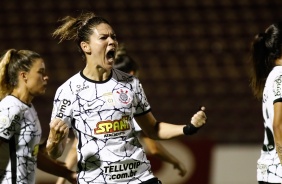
[
  {"x": 126, "y": 64},
  {"x": 23, "y": 77},
  {"x": 266, "y": 84},
  {"x": 99, "y": 103}
]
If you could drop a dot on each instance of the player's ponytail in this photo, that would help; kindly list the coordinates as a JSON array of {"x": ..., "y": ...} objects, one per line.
[
  {"x": 12, "y": 62},
  {"x": 266, "y": 49},
  {"x": 68, "y": 29},
  {"x": 78, "y": 29},
  {"x": 5, "y": 86}
]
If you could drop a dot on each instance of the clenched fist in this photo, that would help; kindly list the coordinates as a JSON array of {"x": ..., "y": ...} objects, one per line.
[
  {"x": 57, "y": 139},
  {"x": 197, "y": 121},
  {"x": 200, "y": 118}
]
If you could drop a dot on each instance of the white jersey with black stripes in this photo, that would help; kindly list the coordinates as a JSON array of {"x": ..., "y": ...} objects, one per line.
[
  {"x": 101, "y": 115},
  {"x": 268, "y": 166},
  {"x": 20, "y": 132}
]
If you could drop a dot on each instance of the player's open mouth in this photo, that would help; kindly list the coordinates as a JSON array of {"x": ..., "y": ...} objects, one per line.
[{"x": 111, "y": 55}]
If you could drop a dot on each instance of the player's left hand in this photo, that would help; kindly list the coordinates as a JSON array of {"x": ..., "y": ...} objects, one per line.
[
  {"x": 181, "y": 168},
  {"x": 200, "y": 118},
  {"x": 72, "y": 178}
]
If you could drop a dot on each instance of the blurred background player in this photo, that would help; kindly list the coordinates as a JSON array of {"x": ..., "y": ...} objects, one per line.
[
  {"x": 23, "y": 77},
  {"x": 266, "y": 81}
]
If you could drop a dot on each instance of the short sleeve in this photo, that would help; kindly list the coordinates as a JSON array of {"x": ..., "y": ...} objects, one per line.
[
  {"x": 141, "y": 103},
  {"x": 136, "y": 126},
  {"x": 277, "y": 89},
  {"x": 62, "y": 106},
  {"x": 8, "y": 119}
]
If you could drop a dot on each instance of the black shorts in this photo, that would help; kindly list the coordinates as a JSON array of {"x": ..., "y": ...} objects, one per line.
[
  {"x": 152, "y": 181},
  {"x": 262, "y": 182}
]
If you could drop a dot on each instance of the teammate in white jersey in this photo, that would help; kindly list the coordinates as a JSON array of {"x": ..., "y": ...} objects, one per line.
[
  {"x": 22, "y": 77},
  {"x": 266, "y": 83},
  {"x": 99, "y": 103},
  {"x": 126, "y": 64}
]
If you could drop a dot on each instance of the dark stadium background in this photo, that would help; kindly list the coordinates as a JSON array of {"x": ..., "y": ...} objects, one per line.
[{"x": 191, "y": 53}]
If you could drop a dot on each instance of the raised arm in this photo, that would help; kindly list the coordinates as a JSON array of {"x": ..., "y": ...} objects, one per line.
[
  {"x": 162, "y": 130},
  {"x": 57, "y": 139}
]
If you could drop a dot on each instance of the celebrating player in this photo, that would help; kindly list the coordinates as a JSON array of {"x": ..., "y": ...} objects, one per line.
[
  {"x": 126, "y": 64},
  {"x": 23, "y": 77},
  {"x": 99, "y": 103}
]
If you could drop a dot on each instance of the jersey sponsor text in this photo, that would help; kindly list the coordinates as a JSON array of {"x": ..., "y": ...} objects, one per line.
[
  {"x": 104, "y": 127},
  {"x": 63, "y": 105}
]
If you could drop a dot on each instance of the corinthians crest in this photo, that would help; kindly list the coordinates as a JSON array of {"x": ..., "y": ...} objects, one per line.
[{"x": 123, "y": 96}]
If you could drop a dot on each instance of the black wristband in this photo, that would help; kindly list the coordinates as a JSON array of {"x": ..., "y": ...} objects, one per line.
[{"x": 190, "y": 129}]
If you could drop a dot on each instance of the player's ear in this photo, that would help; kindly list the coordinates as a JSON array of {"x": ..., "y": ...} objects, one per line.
[
  {"x": 23, "y": 76},
  {"x": 131, "y": 72},
  {"x": 85, "y": 47}
]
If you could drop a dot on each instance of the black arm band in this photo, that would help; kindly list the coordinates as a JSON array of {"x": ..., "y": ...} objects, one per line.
[{"x": 190, "y": 129}]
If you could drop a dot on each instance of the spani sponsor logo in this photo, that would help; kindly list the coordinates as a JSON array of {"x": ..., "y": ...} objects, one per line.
[{"x": 104, "y": 127}]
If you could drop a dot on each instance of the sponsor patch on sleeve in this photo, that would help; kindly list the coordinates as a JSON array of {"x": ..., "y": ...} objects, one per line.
[
  {"x": 277, "y": 86},
  {"x": 4, "y": 122}
]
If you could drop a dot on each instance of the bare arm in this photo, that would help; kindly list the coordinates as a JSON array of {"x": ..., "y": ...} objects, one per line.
[
  {"x": 70, "y": 160},
  {"x": 156, "y": 149},
  {"x": 57, "y": 139},
  {"x": 162, "y": 130},
  {"x": 277, "y": 128},
  {"x": 158, "y": 130},
  {"x": 46, "y": 164}
]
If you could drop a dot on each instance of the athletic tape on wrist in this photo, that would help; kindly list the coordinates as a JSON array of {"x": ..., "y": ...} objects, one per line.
[{"x": 190, "y": 129}]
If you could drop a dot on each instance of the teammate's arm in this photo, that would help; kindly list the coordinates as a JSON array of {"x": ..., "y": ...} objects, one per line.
[
  {"x": 156, "y": 149},
  {"x": 277, "y": 128},
  {"x": 57, "y": 138},
  {"x": 50, "y": 166},
  {"x": 71, "y": 160}
]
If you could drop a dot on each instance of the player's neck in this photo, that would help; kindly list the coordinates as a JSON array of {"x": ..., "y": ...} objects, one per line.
[
  {"x": 278, "y": 62},
  {"x": 96, "y": 74},
  {"x": 22, "y": 95}
]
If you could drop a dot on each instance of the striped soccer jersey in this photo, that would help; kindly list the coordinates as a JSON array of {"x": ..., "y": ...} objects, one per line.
[
  {"x": 101, "y": 113},
  {"x": 20, "y": 128},
  {"x": 268, "y": 165}
]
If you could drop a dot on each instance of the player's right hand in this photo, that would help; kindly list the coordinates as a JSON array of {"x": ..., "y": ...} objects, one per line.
[
  {"x": 58, "y": 130},
  {"x": 57, "y": 139}
]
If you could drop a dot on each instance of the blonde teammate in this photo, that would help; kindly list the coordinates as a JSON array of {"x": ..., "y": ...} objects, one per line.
[{"x": 23, "y": 77}]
